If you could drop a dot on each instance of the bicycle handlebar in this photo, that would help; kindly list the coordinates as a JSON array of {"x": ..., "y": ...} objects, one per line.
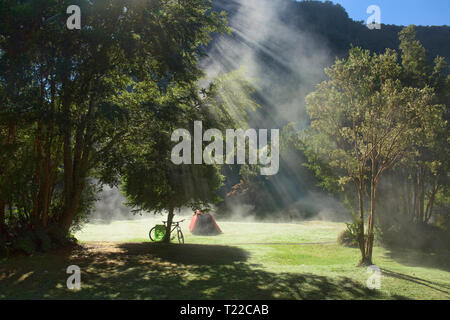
[{"x": 175, "y": 221}]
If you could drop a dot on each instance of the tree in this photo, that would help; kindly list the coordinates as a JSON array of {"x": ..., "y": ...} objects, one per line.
[
  {"x": 150, "y": 180},
  {"x": 65, "y": 93},
  {"x": 364, "y": 121},
  {"x": 428, "y": 168}
]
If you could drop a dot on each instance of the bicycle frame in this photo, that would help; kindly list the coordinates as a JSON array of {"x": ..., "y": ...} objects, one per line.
[{"x": 176, "y": 225}]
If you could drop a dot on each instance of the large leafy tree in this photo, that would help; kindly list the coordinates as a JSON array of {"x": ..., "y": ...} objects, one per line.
[
  {"x": 150, "y": 180},
  {"x": 427, "y": 171},
  {"x": 65, "y": 94},
  {"x": 364, "y": 121}
]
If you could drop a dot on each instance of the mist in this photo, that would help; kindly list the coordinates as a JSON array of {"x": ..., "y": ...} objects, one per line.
[
  {"x": 111, "y": 206},
  {"x": 285, "y": 64}
]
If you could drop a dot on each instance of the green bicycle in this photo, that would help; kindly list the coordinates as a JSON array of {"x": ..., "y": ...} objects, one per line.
[{"x": 158, "y": 232}]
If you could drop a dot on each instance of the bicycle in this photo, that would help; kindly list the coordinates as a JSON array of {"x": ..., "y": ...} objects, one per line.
[{"x": 158, "y": 232}]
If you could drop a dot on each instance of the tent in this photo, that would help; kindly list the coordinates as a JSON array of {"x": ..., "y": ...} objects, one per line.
[{"x": 203, "y": 224}]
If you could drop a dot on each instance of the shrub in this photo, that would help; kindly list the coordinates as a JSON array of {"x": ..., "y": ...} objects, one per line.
[
  {"x": 25, "y": 243},
  {"x": 44, "y": 242},
  {"x": 29, "y": 241},
  {"x": 59, "y": 238},
  {"x": 416, "y": 236},
  {"x": 348, "y": 239},
  {"x": 3, "y": 249}
]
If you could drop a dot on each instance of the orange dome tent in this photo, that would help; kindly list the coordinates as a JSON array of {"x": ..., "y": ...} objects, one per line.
[{"x": 203, "y": 224}]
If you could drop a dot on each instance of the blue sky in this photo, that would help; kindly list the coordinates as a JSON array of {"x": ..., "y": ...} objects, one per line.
[{"x": 401, "y": 12}]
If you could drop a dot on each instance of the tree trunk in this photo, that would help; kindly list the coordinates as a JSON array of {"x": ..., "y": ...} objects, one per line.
[
  {"x": 48, "y": 179},
  {"x": 370, "y": 226},
  {"x": 361, "y": 224},
  {"x": 75, "y": 189},
  {"x": 410, "y": 199},
  {"x": 2, "y": 220},
  {"x": 168, "y": 226},
  {"x": 4, "y": 172},
  {"x": 415, "y": 198},
  {"x": 71, "y": 208},
  {"x": 67, "y": 152},
  {"x": 371, "y": 222},
  {"x": 429, "y": 209},
  {"x": 45, "y": 197},
  {"x": 406, "y": 196},
  {"x": 421, "y": 195},
  {"x": 76, "y": 160},
  {"x": 370, "y": 236}
]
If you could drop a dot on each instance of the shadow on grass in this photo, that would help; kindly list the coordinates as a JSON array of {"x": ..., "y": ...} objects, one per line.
[
  {"x": 443, "y": 288},
  {"x": 188, "y": 254},
  {"x": 155, "y": 271},
  {"x": 416, "y": 258}
]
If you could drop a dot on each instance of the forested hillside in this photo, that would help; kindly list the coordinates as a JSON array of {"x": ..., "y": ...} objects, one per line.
[
  {"x": 285, "y": 46},
  {"x": 331, "y": 23}
]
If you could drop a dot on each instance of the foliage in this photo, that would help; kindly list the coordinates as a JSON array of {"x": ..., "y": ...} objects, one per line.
[
  {"x": 25, "y": 243},
  {"x": 4, "y": 250},
  {"x": 409, "y": 235},
  {"x": 151, "y": 181},
  {"x": 364, "y": 120},
  {"x": 67, "y": 97},
  {"x": 330, "y": 32},
  {"x": 416, "y": 192},
  {"x": 348, "y": 239},
  {"x": 350, "y": 236}
]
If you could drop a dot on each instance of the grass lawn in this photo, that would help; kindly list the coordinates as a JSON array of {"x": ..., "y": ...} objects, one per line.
[{"x": 248, "y": 261}]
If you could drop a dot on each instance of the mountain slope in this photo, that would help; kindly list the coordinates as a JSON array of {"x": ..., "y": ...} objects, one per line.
[{"x": 285, "y": 46}]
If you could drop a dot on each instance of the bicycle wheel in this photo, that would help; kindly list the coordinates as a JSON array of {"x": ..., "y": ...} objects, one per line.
[
  {"x": 151, "y": 234},
  {"x": 157, "y": 233},
  {"x": 180, "y": 236}
]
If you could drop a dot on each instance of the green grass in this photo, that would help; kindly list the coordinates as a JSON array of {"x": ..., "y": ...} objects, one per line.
[
  {"x": 118, "y": 262},
  {"x": 233, "y": 232}
]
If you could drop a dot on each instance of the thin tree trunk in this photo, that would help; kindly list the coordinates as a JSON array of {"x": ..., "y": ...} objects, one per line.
[
  {"x": 370, "y": 227},
  {"x": 2, "y": 220},
  {"x": 369, "y": 242},
  {"x": 10, "y": 140},
  {"x": 406, "y": 197},
  {"x": 410, "y": 199},
  {"x": 421, "y": 194},
  {"x": 71, "y": 208},
  {"x": 415, "y": 197},
  {"x": 67, "y": 153},
  {"x": 168, "y": 225},
  {"x": 45, "y": 199},
  {"x": 37, "y": 173},
  {"x": 361, "y": 224},
  {"x": 430, "y": 205},
  {"x": 47, "y": 181},
  {"x": 79, "y": 166},
  {"x": 78, "y": 181}
]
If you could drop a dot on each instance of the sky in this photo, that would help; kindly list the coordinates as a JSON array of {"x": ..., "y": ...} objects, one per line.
[{"x": 401, "y": 12}]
